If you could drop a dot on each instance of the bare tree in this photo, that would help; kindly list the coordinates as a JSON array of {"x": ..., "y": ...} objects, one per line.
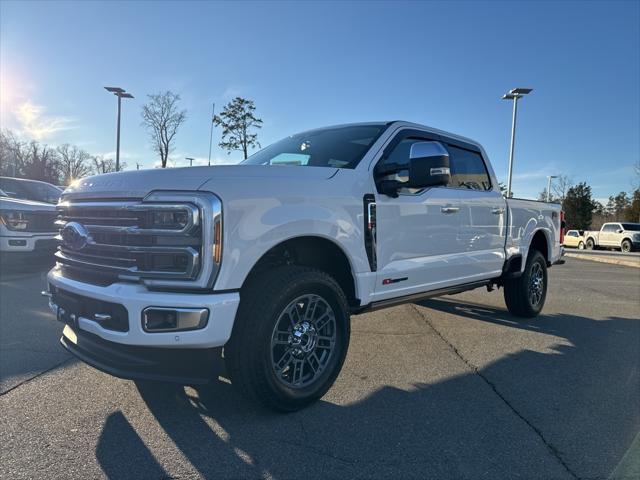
[
  {"x": 105, "y": 165},
  {"x": 74, "y": 162},
  {"x": 162, "y": 119},
  {"x": 238, "y": 120},
  {"x": 560, "y": 187},
  {"x": 41, "y": 163},
  {"x": 12, "y": 154}
]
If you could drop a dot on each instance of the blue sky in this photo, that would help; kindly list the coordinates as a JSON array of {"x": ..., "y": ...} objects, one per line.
[{"x": 444, "y": 64}]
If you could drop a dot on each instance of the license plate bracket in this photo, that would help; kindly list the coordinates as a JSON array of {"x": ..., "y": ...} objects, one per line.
[{"x": 69, "y": 309}]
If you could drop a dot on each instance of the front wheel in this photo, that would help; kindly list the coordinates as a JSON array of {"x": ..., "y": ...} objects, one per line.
[
  {"x": 290, "y": 338},
  {"x": 626, "y": 246},
  {"x": 525, "y": 295}
]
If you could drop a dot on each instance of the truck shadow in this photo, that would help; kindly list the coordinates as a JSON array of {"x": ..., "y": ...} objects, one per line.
[{"x": 466, "y": 426}]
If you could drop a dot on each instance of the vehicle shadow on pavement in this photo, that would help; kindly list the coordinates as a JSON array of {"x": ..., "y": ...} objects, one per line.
[{"x": 527, "y": 414}]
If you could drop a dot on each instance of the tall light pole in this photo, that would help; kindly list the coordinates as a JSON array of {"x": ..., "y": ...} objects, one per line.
[
  {"x": 514, "y": 95},
  {"x": 213, "y": 116},
  {"x": 549, "y": 177},
  {"x": 120, "y": 93},
  {"x": 190, "y": 160}
]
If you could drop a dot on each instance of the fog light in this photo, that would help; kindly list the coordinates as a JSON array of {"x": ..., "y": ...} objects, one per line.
[
  {"x": 160, "y": 319},
  {"x": 18, "y": 243}
]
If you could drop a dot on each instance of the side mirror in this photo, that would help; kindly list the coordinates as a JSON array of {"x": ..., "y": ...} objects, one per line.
[
  {"x": 619, "y": 230},
  {"x": 428, "y": 165}
]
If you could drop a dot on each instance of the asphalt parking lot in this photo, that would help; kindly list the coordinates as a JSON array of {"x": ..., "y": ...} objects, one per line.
[{"x": 448, "y": 388}]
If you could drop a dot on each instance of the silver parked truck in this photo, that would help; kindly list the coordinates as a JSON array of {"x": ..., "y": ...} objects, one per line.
[{"x": 159, "y": 270}]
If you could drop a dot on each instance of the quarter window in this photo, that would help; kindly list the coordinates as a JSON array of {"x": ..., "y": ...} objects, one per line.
[{"x": 467, "y": 169}]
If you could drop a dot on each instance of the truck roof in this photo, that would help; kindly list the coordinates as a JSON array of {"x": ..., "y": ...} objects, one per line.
[{"x": 405, "y": 124}]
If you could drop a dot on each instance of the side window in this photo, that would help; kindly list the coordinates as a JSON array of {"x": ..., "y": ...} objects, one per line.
[
  {"x": 400, "y": 153},
  {"x": 400, "y": 156},
  {"x": 611, "y": 227},
  {"x": 467, "y": 169}
]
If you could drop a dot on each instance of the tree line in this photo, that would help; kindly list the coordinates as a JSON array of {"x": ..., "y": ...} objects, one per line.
[
  {"x": 162, "y": 117},
  {"x": 59, "y": 165},
  {"x": 583, "y": 212}
]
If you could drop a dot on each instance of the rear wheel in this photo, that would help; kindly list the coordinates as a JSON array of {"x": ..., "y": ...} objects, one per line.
[
  {"x": 525, "y": 295},
  {"x": 581, "y": 246},
  {"x": 590, "y": 244},
  {"x": 290, "y": 337},
  {"x": 626, "y": 246}
]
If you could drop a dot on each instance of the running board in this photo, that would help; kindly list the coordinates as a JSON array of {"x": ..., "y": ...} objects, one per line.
[{"x": 391, "y": 302}]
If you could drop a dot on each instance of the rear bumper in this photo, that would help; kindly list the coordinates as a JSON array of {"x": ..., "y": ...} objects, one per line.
[{"x": 185, "y": 366}]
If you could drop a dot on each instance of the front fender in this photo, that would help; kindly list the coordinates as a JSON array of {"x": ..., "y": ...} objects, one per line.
[{"x": 253, "y": 228}]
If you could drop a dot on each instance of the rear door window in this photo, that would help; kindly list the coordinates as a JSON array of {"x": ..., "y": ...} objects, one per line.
[{"x": 467, "y": 169}]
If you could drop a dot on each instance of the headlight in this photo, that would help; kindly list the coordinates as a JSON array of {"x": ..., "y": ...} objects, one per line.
[
  {"x": 169, "y": 220},
  {"x": 14, "y": 220},
  {"x": 636, "y": 237}
]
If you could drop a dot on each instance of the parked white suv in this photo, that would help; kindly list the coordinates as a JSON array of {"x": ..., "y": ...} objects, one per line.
[{"x": 269, "y": 258}]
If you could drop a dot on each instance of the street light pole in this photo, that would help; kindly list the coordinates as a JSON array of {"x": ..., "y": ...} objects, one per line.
[
  {"x": 549, "y": 177},
  {"x": 118, "y": 136},
  {"x": 213, "y": 115},
  {"x": 120, "y": 93},
  {"x": 514, "y": 95}
]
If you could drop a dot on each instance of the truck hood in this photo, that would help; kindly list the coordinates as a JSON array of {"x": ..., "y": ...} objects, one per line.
[
  {"x": 8, "y": 203},
  {"x": 137, "y": 184}
]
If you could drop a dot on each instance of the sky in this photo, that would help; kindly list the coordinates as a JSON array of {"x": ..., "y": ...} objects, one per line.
[{"x": 306, "y": 65}]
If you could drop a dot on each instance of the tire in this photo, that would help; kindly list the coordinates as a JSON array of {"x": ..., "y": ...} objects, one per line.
[
  {"x": 290, "y": 319},
  {"x": 581, "y": 246},
  {"x": 626, "y": 246},
  {"x": 525, "y": 295},
  {"x": 590, "y": 244}
]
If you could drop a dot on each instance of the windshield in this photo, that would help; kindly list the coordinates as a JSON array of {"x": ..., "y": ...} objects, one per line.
[
  {"x": 634, "y": 227},
  {"x": 337, "y": 147},
  {"x": 25, "y": 190}
]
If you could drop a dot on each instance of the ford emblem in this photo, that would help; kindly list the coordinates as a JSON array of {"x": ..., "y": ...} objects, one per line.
[{"x": 74, "y": 236}]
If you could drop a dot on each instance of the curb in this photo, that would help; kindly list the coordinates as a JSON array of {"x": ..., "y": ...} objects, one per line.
[{"x": 613, "y": 261}]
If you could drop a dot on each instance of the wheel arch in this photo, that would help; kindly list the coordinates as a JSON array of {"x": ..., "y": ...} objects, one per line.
[
  {"x": 540, "y": 242},
  {"x": 311, "y": 251}
]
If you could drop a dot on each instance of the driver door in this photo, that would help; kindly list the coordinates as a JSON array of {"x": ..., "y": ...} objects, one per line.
[{"x": 417, "y": 233}]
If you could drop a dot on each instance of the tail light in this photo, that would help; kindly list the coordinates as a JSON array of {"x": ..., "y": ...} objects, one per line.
[{"x": 562, "y": 226}]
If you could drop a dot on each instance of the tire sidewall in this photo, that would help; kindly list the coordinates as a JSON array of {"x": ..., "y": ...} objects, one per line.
[
  {"x": 628, "y": 246},
  {"x": 536, "y": 258},
  {"x": 581, "y": 246},
  {"x": 590, "y": 244}
]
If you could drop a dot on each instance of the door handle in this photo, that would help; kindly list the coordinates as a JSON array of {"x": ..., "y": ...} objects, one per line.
[
  {"x": 497, "y": 211},
  {"x": 448, "y": 210}
]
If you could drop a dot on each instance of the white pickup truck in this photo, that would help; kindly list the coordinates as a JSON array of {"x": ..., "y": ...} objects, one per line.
[
  {"x": 158, "y": 269},
  {"x": 27, "y": 228},
  {"x": 622, "y": 235}
]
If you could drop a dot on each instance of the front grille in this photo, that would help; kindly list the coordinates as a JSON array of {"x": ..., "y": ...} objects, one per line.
[
  {"x": 127, "y": 241},
  {"x": 39, "y": 222}
]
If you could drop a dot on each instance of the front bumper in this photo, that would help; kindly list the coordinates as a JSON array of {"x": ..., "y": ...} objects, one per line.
[
  {"x": 135, "y": 298},
  {"x": 186, "y": 366},
  {"x": 27, "y": 244}
]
